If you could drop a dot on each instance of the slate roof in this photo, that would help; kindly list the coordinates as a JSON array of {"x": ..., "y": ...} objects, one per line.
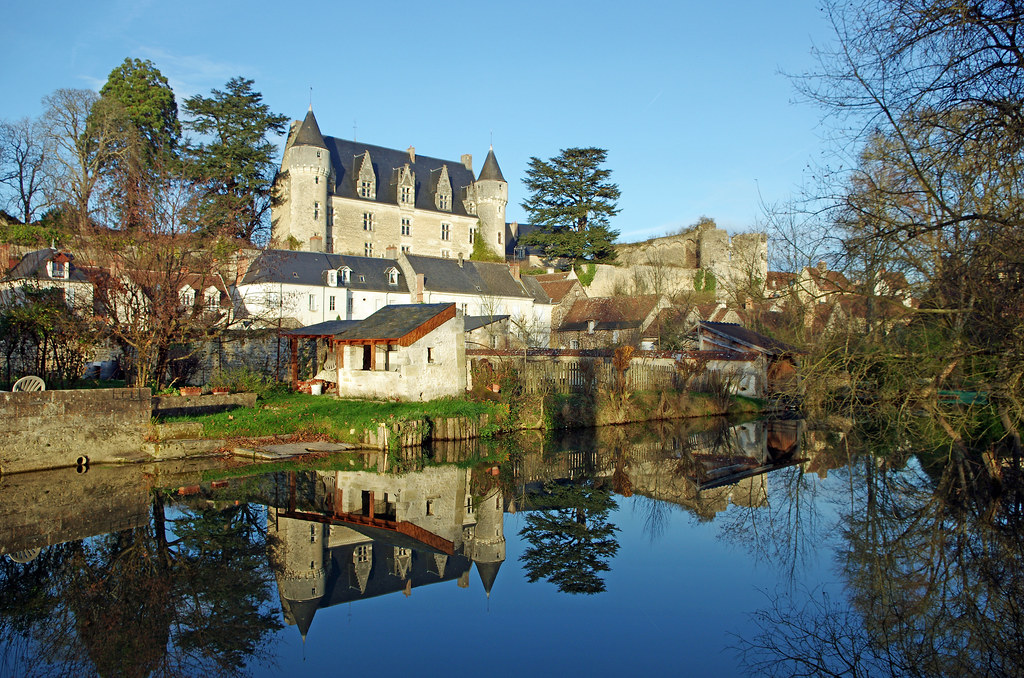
[
  {"x": 393, "y": 322},
  {"x": 309, "y": 132},
  {"x": 33, "y": 266},
  {"x": 609, "y": 313},
  {"x": 310, "y": 268},
  {"x": 327, "y": 328},
  {"x": 537, "y": 290},
  {"x": 747, "y": 337},
  {"x": 473, "y": 277},
  {"x": 475, "y": 322},
  {"x": 490, "y": 169},
  {"x": 345, "y": 156}
]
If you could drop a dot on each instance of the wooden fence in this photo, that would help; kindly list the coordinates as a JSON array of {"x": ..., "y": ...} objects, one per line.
[{"x": 590, "y": 376}]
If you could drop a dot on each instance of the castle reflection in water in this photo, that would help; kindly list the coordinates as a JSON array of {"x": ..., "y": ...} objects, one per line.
[{"x": 338, "y": 536}]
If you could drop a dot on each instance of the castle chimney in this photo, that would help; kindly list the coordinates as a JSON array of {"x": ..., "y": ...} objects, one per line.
[
  {"x": 316, "y": 244},
  {"x": 460, "y": 259},
  {"x": 467, "y": 160},
  {"x": 421, "y": 280},
  {"x": 390, "y": 252},
  {"x": 514, "y": 270},
  {"x": 822, "y": 266},
  {"x": 412, "y": 154}
]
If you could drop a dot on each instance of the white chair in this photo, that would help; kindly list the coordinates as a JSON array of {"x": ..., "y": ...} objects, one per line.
[{"x": 29, "y": 384}]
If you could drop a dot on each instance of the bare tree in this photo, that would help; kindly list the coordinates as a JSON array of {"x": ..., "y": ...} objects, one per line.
[{"x": 21, "y": 166}]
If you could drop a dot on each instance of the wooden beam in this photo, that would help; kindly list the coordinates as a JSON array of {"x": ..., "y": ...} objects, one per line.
[
  {"x": 373, "y": 356},
  {"x": 293, "y": 368}
]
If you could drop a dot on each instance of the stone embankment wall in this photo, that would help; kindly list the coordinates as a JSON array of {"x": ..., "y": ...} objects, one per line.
[
  {"x": 54, "y": 429},
  {"x": 173, "y": 406}
]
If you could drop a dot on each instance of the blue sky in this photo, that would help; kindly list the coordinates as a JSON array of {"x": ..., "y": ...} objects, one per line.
[{"x": 688, "y": 98}]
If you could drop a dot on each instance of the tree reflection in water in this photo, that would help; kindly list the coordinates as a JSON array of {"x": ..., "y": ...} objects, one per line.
[
  {"x": 932, "y": 560},
  {"x": 570, "y": 538},
  {"x": 139, "y": 602}
]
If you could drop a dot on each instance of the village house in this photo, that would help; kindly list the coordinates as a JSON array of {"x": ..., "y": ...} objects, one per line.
[
  {"x": 780, "y": 360},
  {"x": 605, "y": 322},
  {"x": 303, "y": 288},
  {"x": 48, "y": 269}
]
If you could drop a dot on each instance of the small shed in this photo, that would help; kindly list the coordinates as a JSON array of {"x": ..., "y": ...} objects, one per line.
[
  {"x": 404, "y": 351},
  {"x": 781, "y": 359}
]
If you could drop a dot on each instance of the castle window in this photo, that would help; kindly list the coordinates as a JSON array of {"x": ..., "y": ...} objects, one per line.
[
  {"x": 316, "y": 209},
  {"x": 365, "y": 189},
  {"x": 406, "y": 249},
  {"x": 499, "y": 237},
  {"x": 446, "y": 231},
  {"x": 367, "y": 249},
  {"x": 316, "y": 179},
  {"x": 367, "y": 221},
  {"x": 406, "y": 195},
  {"x": 406, "y": 226},
  {"x": 318, "y": 154},
  {"x": 330, "y": 216},
  {"x": 444, "y": 202},
  {"x": 446, "y": 254},
  {"x": 472, "y": 235}
]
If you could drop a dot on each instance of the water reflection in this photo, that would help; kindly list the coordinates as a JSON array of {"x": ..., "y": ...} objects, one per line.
[{"x": 159, "y": 570}]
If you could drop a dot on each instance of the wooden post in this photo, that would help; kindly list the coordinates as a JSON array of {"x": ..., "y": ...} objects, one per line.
[
  {"x": 373, "y": 357},
  {"x": 293, "y": 369}
]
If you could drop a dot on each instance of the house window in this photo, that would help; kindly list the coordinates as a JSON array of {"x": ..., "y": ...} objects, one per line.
[
  {"x": 349, "y": 305},
  {"x": 312, "y": 302},
  {"x": 365, "y": 189},
  {"x": 69, "y": 296},
  {"x": 472, "y": 235},
  {"x": 330, "y": 302},
  {"x": 406, "y": 226},
  {"x": 430, "y": 354},
  {"x": 520, "y": 253},
  {"x": 615, "y": 336},
  {"x": 367, "y": 221},
  {"x": 392, "y": 276},
  {"x": 367, "y": 249},
  {"x": 58, "y": 269},
  {"x": 430, "y": 507},
  {"x": 446, "y": 231},
  {"x": 574, "y": 344}
]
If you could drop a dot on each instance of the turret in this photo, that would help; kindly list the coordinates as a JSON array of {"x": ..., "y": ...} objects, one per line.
[
  {"x": 488, "y": 548},
  {"x": 297, "y": 556},
  {"x": 491, "y": 193},
  {"x": 307, "y": 171}
]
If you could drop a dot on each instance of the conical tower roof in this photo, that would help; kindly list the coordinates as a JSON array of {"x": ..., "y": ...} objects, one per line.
[
  {"x": 302, "y": 612},
  {"x": 490, "y": 170},
  {"x": 309, "y": 132},
  {"x": 488, "y": 573}
]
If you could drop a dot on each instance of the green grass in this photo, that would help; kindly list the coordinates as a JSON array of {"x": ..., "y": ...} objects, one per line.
[{"x": 342, "y": 420}]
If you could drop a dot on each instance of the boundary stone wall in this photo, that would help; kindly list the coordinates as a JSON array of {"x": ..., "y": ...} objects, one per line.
[{"x": 54, "y": 429}]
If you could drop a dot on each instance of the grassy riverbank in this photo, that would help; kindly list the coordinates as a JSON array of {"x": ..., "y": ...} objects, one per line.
[
  {"x": 297, "y": 414},
  {"x": 341, "y": 420}
]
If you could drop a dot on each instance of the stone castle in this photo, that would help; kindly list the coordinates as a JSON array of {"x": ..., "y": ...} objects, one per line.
[{"x": 353, "y": 198}]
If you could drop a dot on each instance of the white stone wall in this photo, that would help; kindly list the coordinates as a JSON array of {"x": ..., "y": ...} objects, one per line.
[
  {"x": 349, "y": 237},
  {"x": 411, "y": 377},
  {"x": 293, "y": 301}
]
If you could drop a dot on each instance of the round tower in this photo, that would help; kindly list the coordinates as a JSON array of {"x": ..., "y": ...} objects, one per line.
[
  {"x": 297, "y": 556},
  {"x": 491, "y": 198},
  {"x": 303, "y": 218},
  {"x": 488, "y": 550}
]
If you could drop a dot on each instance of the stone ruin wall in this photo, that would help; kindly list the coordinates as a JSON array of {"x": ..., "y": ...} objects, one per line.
[{"x": 668, "y": 265}]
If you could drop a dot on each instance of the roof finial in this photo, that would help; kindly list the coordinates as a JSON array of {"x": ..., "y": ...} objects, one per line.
[
  {"x": 492, "y": 139},
  {"x": 311, "y": 98},
  {"x": 354, "y": 128}
]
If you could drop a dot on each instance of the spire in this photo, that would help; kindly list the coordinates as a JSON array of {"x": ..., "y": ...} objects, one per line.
[
  {"x": 488, "y": 573},
  {"x": 490, "y": 170},
  {"x": 309, "y": 132}
]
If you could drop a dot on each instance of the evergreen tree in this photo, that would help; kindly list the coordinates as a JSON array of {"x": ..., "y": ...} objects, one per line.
[
  {"x": 571, "y": 200},
  {"x": 238, "y": 161},
  {"x": 141, "y": 90}
]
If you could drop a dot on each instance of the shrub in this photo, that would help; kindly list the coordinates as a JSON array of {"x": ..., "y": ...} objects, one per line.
[{"x": 246, "y": 380}]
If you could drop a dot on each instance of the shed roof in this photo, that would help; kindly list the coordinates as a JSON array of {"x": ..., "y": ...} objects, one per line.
[
  {"x": 328, "y": 328},
  {"x": 398, "y": 323},
  {"x": 747, "y": 337}
]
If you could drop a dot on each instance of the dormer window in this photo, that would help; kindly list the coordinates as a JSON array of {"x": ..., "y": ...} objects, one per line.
[
  {"x": 332, "y": 278},
  {"x": 187, "y": 297},
  {"x": 443, "y": 190},
  {"x": 366, "y": 180},
  {"x": 392, "y": 276},
  {"x": 211, "y": 298},
  {"x": 591, "y": 324},
  {"x": 58, "y": 269},
  {"x": 346, "y": 275},
  {"x": 406, "y": 196}
]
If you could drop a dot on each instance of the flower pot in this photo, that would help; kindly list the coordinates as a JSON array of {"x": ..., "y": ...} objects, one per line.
[
  {"x": 221, "y": 391},
  {"x": 316, "y": 389},
  {"x": 190, "y": 390}
]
